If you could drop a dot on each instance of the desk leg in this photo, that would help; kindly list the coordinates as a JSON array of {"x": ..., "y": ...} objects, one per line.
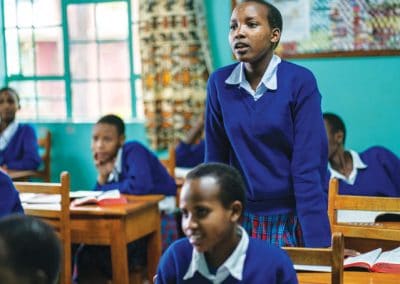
[
  {"x": 154, "y": 248},
  {"x": 119, "y": 253}
]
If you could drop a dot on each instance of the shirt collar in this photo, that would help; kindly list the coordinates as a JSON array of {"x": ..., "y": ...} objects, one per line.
[
  {"x": 114, "y": 175},
  {"x": 232, "y": 266},
  {"x": 7, "y": 134},
  {"x": 269, "y": 79},
  {"x": 357, "y": 164}
]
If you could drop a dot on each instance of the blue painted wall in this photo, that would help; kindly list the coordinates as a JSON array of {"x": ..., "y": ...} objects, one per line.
[
  {"x": 71, "y": 150},
  {"x": 364, "y": 91}
]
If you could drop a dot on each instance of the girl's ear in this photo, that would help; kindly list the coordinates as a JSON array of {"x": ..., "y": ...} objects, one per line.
[
  {"x": 275, "y": 35},
  {"x": 237, "y": 209},
  {"x": 121, "y": 140},
  {"x": 339, "y": 137}
]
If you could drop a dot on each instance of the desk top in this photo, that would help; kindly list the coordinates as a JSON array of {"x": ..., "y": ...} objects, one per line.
[
  {"x": 350, "y": 277},
  {"x": 135, "y": 202},
  {"x": 14, "y": 175}
]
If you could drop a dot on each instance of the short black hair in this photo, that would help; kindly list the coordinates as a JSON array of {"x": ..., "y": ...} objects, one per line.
[
  {"x": 30, "y": 245},
  {"x": 10, "y": 90},
  {"x": 274, "y": 15},
  {"x": 335, "y": 123},
  {"x": 230, "y": 181},
  {"x": 113, "y": 120}
]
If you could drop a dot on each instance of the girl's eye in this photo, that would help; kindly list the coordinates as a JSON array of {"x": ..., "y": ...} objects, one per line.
[
  {"x": 233, "y": 26},
  {"x": 253, "y": 25},
  {"x": 202, "y": 212}
]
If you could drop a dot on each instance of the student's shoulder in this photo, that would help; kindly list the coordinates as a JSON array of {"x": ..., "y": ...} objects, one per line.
[
  {"x": 377, "y": 152},
  {"x": 25, "y": 127},
  {"x": 259, "y": 249},
  {"x": 287, "y": 68},
  {"x": 223, "y": 72},
  {"x": 134, "y": 145},
  {"x": 180, "y": 248}
]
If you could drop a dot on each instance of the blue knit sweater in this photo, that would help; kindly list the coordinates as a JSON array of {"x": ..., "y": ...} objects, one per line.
[
  {"x": 22, "y": 152},
  {"x": 9, "y": 197},
  {"x": 189, "y": 155},
  {"x": 264, "y": 264},
  {"x": 277, "y": 142},
  {"x": 381, "y": 177},
  {"x": 142, "y": 173}
]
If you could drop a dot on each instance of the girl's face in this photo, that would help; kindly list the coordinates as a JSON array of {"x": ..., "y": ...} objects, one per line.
[
  {"x": 335, "y": 140},
  {"x": 8, "y": 106},
  {"x": 209, "y": 226},
  {"x": 105, "y": 142},
  {"x": 250, "y": 36}
]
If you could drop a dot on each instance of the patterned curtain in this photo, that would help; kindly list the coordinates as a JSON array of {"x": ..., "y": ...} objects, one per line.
[{"x": 176, "y": 63}]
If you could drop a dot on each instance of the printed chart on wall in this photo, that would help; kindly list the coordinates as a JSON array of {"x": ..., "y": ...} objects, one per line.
[{"x": 313, "y": 28}]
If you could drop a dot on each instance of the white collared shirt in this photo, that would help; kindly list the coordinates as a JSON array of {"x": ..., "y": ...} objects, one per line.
[
  {"x": 268, "y": 81},
  {"x": 232, "y": 266},
  {"x": 357, "y": 164},
  {"x": 114, "y": 175},
  {"x": 7, "y": 134}
]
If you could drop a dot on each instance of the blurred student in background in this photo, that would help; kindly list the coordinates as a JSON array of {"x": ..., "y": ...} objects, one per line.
[
  {"x": 132, "y": 169},
  {"x": 30, "y": 251},
  {"x": 373, "y": 172},
  {"x": 18, "y": 142}
]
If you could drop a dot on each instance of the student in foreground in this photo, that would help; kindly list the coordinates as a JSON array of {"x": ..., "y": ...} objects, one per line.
[
  {"x": 9, "y": 197},
  {"x": 30, "y": 251},
  {"x": 18, "y": 142},
  {"x": 217, "y": 249},
  {"x": 263, "y": 116},
  {"x": 373, "y": 172},
  {"x": 132, "y": 169}
]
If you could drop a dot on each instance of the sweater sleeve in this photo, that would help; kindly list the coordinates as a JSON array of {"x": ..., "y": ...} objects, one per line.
[
  {"x": 391, "y": 164},
  {"x": 217, "y": 145},
  {"x": 9, "y": 197},
  {"x": 308, "y": 163},
  {"x": 144, "y": 174},
  {"x": 30, "y": 159}
]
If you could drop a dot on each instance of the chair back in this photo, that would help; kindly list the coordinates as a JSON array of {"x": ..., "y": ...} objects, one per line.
[
  {"x": 365, "y": 203},
  {"x": 45, "y": 143},
  {"x": 170, "y": 162},
  {"x": 332, "y": 256},
  {"x": 57, "y": 217}
]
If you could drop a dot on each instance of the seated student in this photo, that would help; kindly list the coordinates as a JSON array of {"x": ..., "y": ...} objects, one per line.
[
  {"x": 190, "y": 150},
  {"x": 217, "y": 249},
  {"x": 9, "y": 197},
  {"x": 131, "y": 168},
  {"x": 30, "y": 251},
  {"x": 18, "y": 143},
  {"x": 373, "y": 172}
]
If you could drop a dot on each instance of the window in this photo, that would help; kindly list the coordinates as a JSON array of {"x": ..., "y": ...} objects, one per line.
[{"x": 73, "y": 59}]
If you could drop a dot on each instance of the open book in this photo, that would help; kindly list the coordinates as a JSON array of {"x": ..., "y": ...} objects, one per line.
[
  {"x": 110, "y": 197},
  {"x": 376, "y": 261}
]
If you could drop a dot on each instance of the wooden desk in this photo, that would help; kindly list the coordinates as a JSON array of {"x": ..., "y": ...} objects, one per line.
[
  {"x": 21, "y": 175},
  {"x": 119, "y": 225},
  {"x": 350, "y": 277}
]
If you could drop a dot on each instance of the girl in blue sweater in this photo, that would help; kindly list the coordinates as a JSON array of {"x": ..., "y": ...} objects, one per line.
[
  {"x": 263, "y": 116},
  {"x": 18, "y": 143},
  {"x": 133, "y": 169},
  {"x": 373, "y": 172},
  {"x": 217, "y": 249}
]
